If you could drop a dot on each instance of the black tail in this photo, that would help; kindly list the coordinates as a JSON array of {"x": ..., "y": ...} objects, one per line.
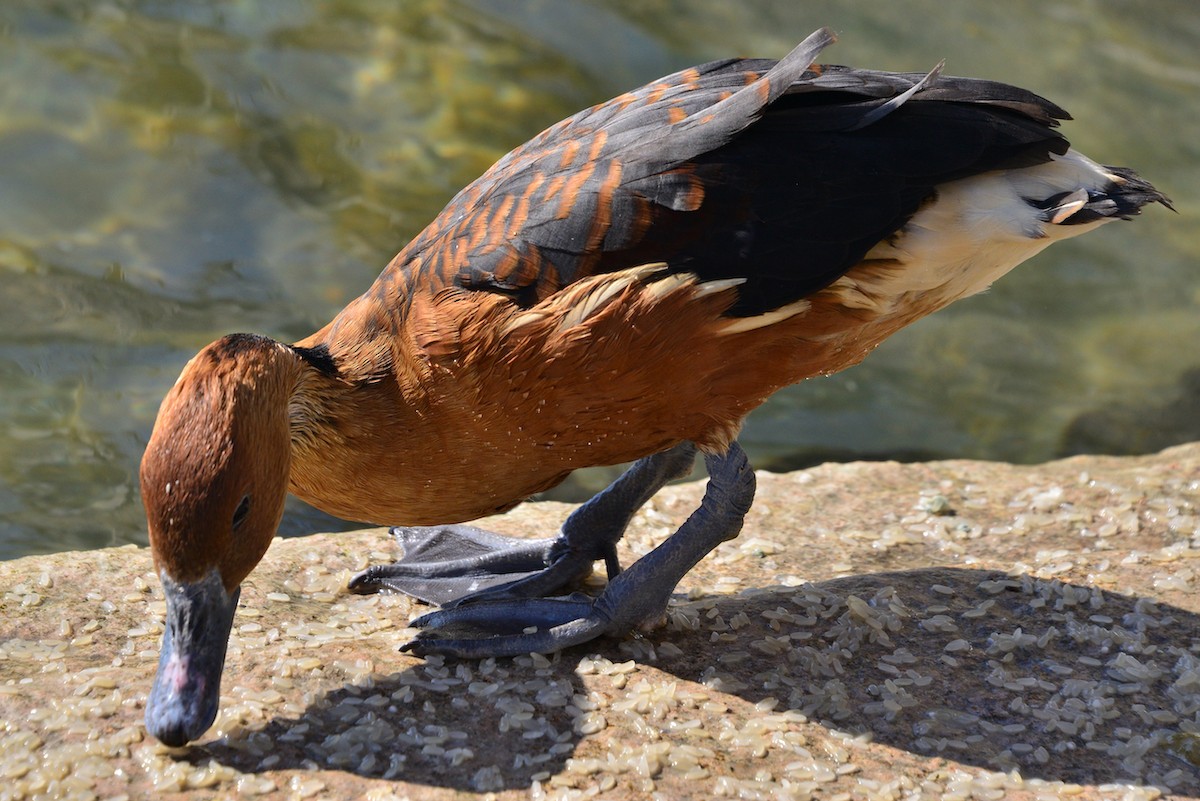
[{"x": 1123, "y": 199}]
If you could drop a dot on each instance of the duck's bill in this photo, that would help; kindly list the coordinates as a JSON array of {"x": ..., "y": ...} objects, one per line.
[{"x": 187, "y": 689}]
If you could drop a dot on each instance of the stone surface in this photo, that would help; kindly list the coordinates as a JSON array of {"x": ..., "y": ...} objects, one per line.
[{"x": 948, "y": 629}]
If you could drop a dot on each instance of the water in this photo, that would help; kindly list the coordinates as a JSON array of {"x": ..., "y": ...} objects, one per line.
[{"x": 172, "y": 171}]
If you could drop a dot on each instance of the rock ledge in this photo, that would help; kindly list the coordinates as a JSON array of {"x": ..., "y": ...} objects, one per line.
[{"x": 949, "y": 629}]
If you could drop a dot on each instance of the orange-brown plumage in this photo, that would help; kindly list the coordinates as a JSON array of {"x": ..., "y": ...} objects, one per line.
[
  {"x": 221, "y": 434},
  {"x": 636, "y": 277}
]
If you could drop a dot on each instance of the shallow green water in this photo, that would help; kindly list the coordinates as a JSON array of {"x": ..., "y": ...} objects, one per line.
[{"x": 172, "y": 171}]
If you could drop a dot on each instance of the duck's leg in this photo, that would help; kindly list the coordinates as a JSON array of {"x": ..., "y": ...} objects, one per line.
[
  {"x": 637, "y": 597},
  {"x": 452, "y": 565}
]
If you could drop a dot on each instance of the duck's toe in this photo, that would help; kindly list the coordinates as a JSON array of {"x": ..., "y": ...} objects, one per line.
[
  {"x": 449, "y": 565},
  {"x": 510, "y": 627}
]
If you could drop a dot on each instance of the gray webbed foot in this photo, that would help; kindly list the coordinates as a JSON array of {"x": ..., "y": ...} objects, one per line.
[
  {"x": 445, "y": 564},
  {"x": 508, "y": 627},
  {"x": 635, "y": 598}
]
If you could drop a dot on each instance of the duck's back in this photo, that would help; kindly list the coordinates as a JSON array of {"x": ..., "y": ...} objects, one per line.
[{"x": 706, "y": 171}]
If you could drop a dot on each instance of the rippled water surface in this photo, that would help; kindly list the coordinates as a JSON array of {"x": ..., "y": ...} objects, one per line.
[{"x": 172, "y": 171}]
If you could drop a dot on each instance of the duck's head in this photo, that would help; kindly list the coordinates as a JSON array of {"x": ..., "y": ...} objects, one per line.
[{"x": 213, "y": 478}]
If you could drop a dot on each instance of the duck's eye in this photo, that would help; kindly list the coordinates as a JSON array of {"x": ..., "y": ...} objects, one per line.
[{"x": 243, "y": 509}]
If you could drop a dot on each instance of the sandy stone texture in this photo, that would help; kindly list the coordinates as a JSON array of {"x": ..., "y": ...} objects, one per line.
[{"x": 940, "y": 630}]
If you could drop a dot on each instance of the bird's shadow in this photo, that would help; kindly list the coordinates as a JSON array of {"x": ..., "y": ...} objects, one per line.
[{"x": 1056, "y": 680}]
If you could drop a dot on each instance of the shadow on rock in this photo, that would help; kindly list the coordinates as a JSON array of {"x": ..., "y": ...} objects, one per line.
[
  {"x": 477, "y": 726},
  {"x": 1054, "y": 680}
]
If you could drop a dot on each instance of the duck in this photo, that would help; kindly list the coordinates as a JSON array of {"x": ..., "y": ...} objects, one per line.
[{"x": 625, "y": 287}]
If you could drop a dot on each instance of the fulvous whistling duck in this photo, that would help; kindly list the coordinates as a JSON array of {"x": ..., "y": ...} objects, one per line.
[{"x": 628, "y": 285}]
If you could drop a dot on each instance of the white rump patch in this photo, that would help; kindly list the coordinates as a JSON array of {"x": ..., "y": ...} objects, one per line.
[{"x": 976, "y": 230}]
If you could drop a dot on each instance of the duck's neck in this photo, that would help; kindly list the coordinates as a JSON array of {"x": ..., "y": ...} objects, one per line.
[{"x": 347, "y": 436}]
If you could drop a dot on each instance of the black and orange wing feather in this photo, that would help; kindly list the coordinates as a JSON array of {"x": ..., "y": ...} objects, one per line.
[{"x": 783, "y": 174}]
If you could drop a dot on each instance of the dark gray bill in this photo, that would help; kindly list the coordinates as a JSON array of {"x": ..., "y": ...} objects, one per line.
[{"x": 187, "y": 689}]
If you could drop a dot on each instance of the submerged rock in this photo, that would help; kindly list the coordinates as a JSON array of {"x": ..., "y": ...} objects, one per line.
[{"x": 1128, "y": 429}]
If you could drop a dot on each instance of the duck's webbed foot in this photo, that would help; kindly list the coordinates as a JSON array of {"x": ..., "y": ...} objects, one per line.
[
  {"x": 454, "y": 565},
  {"x": 445, "y": 564},
  {"x": 636, "y": 598}
]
